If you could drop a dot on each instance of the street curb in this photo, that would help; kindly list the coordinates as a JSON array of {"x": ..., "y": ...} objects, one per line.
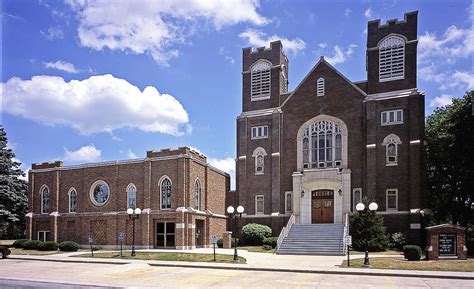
[
  {"x": 71, "y": 261},
  {"x": 307, "y": 271}
]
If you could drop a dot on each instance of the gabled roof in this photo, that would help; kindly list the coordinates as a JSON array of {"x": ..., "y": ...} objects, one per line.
[{"x": 321, "y": 60}]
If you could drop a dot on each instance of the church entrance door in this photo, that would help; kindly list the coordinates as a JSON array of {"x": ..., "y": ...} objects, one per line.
[{"x": 322, "y": 205}]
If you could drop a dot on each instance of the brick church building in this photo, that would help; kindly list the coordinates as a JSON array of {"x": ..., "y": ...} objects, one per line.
[
  {"x": 314, "y": 152},
  {"x": 180, "y": 196}
]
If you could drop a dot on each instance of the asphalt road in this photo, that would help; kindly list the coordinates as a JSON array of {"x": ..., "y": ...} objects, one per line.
[{"x": 41, "y": 274}]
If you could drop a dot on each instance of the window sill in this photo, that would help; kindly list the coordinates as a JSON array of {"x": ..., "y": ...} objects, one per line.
[
  {"x": 261, "y": 137},
  {"x": 260, "y": 98},
  {"x": 391, "y": 164},
  {"x": 391, "y": 79},
  {"x": 391, "y": 123}
]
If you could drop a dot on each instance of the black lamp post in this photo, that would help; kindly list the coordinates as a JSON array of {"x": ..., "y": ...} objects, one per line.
[
  {"x": 360, "y": 207},
  {"x": 233, "y": 215},
  {"x": 133, "y": 215}
]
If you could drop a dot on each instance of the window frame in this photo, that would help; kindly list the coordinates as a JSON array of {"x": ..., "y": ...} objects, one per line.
[
  {"x": 389, "y": 140},
  {"x": 91, "y": 193},
  {"x": 256, "y": 205},
  {"x": 354, "y": 201},
  {"x": 131, "y": 185},
  {"x": 328, "y": 132},
  {"x": 386, "y": 199},
  {"x": 162, "y": 180},
  {"x": 256, "y": 129},
  {"x": 387, "y": 120},
  {"x": 259, "y": 152},
  {"x": 320, "y": 87},
  {"x": 264, "y": 70},
  {"x": 197, "y": 194},
  {"x": 70, "y": 195},
  {"x": 45, "y": 237},
  {"x": 42, "y": 190},
  {"x": 387, "y": 58},
  {"x": 286, "y": 201}
]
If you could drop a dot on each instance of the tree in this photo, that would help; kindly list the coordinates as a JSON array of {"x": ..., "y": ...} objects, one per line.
[
  {"x": 450, "y": 162},
  {"x": 13, "y": 196},
  {"x": 368, "y": 230}
]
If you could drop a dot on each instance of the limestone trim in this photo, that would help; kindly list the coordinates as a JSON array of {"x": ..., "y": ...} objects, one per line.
[{"x": 321, "y": 117}]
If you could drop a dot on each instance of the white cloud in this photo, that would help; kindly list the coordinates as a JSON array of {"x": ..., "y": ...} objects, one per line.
[
  {"x": 61, "y": 65},
  {"x": 454, "y": 43},
  {"x": 340, "y": 55},
  {"x": 441, "y": 100},
  {"x": 465, "y": 79},
  {"x": 227, "y": 165},
  {"x": 97, "y": 104},
  {"x": 53, "y": 33},
  {"x": 368, "y": 13},
  {"x": 259, "y": 39},
  {"x": 347, "y": 12},
  {"x": 155, "y": 27},
  {"x": 131, "y": 154},
  {"x": 22, "y": 167},
  {"x": 84, "y": 154},
  {"x": 230, "y": 59},
  {"x": 322, "y": 45}
]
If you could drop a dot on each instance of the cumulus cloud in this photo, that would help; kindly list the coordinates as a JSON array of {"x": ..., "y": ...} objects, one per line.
[
  {"x": 454, "y": 43},
  {"x": 155, "y": 27},
  {"x": 258, "y": 38},
  {"x": 340, "y": 54},
  {"x": 368, "y": 13},
  {"x": 61, "y": 65},
  {"x": 464, "y": 78},
  {"x": 322, "y": 45},
  {"x": 84, "y": 154},
  {"x": 97, "y": 104},
  {"x": 227, "y": 165},
  {"x": 347, "y": 12},
  {"x": 441, "y": 100},
  {"x": 131, "y": 154}
]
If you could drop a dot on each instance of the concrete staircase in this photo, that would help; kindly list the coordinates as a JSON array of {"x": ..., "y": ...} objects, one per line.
[{"x": 314, "y": 239}]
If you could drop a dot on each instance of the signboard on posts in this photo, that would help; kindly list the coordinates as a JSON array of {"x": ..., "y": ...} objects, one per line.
[
  {"x": 121, "y": 236},
  {"x": 214, "y": 239},
  {"x": 349, "y": 240},
  {"x": 90, "y": 239}
]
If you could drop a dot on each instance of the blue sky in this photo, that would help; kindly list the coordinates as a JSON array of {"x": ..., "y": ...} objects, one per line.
[{"x": 87, "y": 81}]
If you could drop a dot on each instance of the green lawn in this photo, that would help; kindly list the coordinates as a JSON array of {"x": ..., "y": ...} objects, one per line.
[
  {"x": 386, "y": 252},
  {"x": 167, "y": 256},
  {"x": 16, "y": 251},
  {"x": 256, "y": 249},
  {"x": 402, "y": 264}
]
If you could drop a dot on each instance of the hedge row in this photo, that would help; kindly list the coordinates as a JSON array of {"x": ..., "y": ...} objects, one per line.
[{"x": 67, "y": 246}]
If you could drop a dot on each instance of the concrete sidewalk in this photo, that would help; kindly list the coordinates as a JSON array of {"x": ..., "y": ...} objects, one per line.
[{"x": 260, "y": 262}]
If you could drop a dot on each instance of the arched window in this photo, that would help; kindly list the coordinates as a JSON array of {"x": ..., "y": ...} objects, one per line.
[
  {"x": 322, "y": 145},
  {"x": 44, "y": 200},
  {"x": 391, "y": 143},
  {"x": 72, "y": 200},
  {"x": 320, "y": 87},
  {"x": 391, "y": 58},
  {"x": 165, "y": 193},
  {"x": 131, "y": 196},
  {"x": 259, "y": 155},
  {"x": 260, "y": 78},
  {"x": 197, "y": 194}
]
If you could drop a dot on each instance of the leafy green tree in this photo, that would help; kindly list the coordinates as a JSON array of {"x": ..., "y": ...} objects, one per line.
[
  {"x": 368, "y": 230},
  {"x": 13, "y": 195},
  {"x": 450, "y": 162}
]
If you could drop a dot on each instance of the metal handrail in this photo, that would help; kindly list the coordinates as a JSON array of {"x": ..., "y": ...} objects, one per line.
[
  {"x": 285, "y": 231},
  {"x": 346, "y": 233}
]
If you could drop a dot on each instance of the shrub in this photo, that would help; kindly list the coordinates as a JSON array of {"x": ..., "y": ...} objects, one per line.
[
  {"x": 48, "y": 246},
  {"x": 19, "y": 243},
  {"x": 412, "y": 252},
  {"x": 31, "y": 245},
  {"x": 220, "y": 243},
  {"x": 398, "y": 240},
  {"x": 267, "y": 247},
  {"x": 270, "y": 241},
  {"x": 253, "y": 234},
  {"x": 69, "y": 246}
]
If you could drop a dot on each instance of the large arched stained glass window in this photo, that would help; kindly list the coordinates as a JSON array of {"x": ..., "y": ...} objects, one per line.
[
  {"x": 44, "y": 200},
  {"x": 131, "y": 196},
  {"x": 197, "y": 194},
  {"x": 322, "y": 145},
  {"x": 72, "y": 200},
  {"x": 166, "y": 194}
]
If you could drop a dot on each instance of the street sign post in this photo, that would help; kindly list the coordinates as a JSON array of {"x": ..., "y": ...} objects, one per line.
[
  {"x": 214, "y": 242},
  {"x": 349, "y": 244},
  {"x": 121, "y": 237}
]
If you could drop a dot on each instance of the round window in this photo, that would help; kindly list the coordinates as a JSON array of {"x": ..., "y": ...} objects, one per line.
[{"x": 99, "y": 193}]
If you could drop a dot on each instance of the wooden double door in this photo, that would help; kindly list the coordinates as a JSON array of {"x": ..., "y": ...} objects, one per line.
[{"x": 322, "y": 206}]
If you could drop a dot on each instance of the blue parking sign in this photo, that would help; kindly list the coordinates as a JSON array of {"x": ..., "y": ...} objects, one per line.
[{"x": 121, "y": 236}]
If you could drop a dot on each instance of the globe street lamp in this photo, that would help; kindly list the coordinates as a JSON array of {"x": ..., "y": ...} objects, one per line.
[
  {"x": 233, "y": 215},
  {"x": 133, "y": 215},
  {"x": 360, "y": 207}
]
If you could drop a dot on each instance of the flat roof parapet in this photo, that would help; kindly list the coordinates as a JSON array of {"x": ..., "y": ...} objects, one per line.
[{"x": 47, "y": 165}]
